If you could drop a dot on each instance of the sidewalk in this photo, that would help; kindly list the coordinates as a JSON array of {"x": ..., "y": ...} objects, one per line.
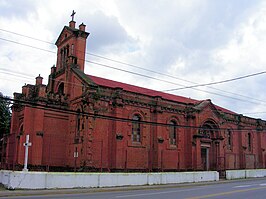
[{"x": 6, "y": 193}]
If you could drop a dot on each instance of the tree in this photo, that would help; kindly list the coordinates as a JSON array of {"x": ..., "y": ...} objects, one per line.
[{"x": 5, "y": 115}]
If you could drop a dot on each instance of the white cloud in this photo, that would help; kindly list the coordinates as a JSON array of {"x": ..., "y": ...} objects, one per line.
[
  {"x": 244, "y": 54},
  {"x": 196, "y": 40}
]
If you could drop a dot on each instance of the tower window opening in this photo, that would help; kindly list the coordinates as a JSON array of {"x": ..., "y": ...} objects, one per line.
[
  {"x": 67, "y": 50},
  {"x": 61, "y": 57},
  {"x": 78, "y": 122},
  {"x": 72, "y": 49},
  {"x": 61, "y": 89},
  {"x": 249, "y": 142}
]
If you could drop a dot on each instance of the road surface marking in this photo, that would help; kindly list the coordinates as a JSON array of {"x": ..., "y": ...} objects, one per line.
[
  {"x": 242, "y": 186},
  {"x": 225, "y": 193},
  {"x": 156, "y": 193}
]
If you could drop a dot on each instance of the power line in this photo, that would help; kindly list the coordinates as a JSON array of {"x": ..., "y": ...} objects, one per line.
[
  {"x": 15, "y": 33},
  {"x": 240, "y": 95},
  {"x": 107, "y": 117},
  {"x": 27, "y": 45},
  {"x": 146, "y": 76},
  {"x": 255, "y": 113},
  {"x": 221, "y": 95},
  {"x": 10, "y": 73},
  {"x": 219, "y": 82},
  {"x": 167, "y": 75},
  {"x": 15, "y": 74},
  {"x": 155, "y": 72},
  {"x": 134, "y": 73},
  {"x": 24, "y": 74}
]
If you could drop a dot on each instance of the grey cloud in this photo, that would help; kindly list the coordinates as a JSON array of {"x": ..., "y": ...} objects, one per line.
[
  {"x": 216, "y": 25},
  {"x": 190, "y": 32},
  {"x": 17, "y": 9},
  {"x": 105, "y": 32}
]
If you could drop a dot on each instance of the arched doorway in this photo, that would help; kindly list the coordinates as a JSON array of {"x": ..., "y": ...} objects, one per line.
[{"x": 209, "y": 145}]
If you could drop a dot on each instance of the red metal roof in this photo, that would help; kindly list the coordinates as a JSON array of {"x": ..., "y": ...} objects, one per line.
[
  {"x": 224, "y": 110},
  {"x": 148, "y": 92}
]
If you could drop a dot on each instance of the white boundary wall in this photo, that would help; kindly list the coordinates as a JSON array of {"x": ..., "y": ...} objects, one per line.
[
  {"x": 50, "y": 180},
  {"x": 238, "y": 174}
]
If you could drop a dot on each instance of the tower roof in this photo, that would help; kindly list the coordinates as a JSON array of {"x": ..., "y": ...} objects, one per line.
[{"x": 72, "y": 31}]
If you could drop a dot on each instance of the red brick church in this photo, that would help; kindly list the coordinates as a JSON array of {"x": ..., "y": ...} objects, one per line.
[{"x": 91, "y": 123}]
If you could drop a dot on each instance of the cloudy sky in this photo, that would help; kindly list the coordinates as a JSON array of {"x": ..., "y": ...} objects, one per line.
[{"x": 185, "y": 42}]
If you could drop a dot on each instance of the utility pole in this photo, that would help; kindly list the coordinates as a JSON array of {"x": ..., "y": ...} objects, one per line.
[{"x": 27, "y": 144}]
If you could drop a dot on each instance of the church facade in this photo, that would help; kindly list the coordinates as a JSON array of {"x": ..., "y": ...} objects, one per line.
[{"x": 79, "y": 121}]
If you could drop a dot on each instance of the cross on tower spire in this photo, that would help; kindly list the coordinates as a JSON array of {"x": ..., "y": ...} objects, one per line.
[{"x": 73, "y": 14}]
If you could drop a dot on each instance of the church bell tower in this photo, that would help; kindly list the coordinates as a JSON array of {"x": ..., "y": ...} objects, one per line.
[
  {"x": 71, "y": 45},
  {"x": 71, "y": 50}
]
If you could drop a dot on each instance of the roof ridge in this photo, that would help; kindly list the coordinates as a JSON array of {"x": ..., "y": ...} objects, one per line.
[
  {"x": 130, "y": 87},
  {"x": 149, "y": 92}
]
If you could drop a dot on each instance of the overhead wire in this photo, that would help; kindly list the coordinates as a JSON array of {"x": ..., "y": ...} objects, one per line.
[
  {"x": 11, "y": 71},
  {"x": 167, "y": 75},
  {"x": 16, "y": 42},
  {"x": 218, "y": 82},
  {"x": 76, "y": 84},
  {"x": 15, "y": 33},
  {"x": 174, "y": 77},
  {"x": 146, "y": 76},
  {"x": 113, "y": 118},
  {"x": 263, "y": 112},
  {"x": 221, "y": 95},
  {"x": 141, "y": 68},
  {"x": 80, "y": 85}
]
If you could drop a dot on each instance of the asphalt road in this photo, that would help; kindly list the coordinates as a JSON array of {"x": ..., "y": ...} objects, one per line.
[{"x": 250, "y": 189}]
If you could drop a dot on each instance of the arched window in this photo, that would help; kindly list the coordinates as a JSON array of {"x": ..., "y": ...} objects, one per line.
[
  {"x": 72, "y": 49},
  {"x": 60, "y": 89},
  {"x": 67, "y": 51},
  {"x": 78, "y": 122},
  {"x": 172, "y": 132},
  {"x": 136, "y": 128},
  {"x": 21, "y": 130},
  {"x": 249, "y": 142},
  {"x": 228, "y": 135},
  {"x": 62, "y": 58},
  {"x": 209, "y": 130}
]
